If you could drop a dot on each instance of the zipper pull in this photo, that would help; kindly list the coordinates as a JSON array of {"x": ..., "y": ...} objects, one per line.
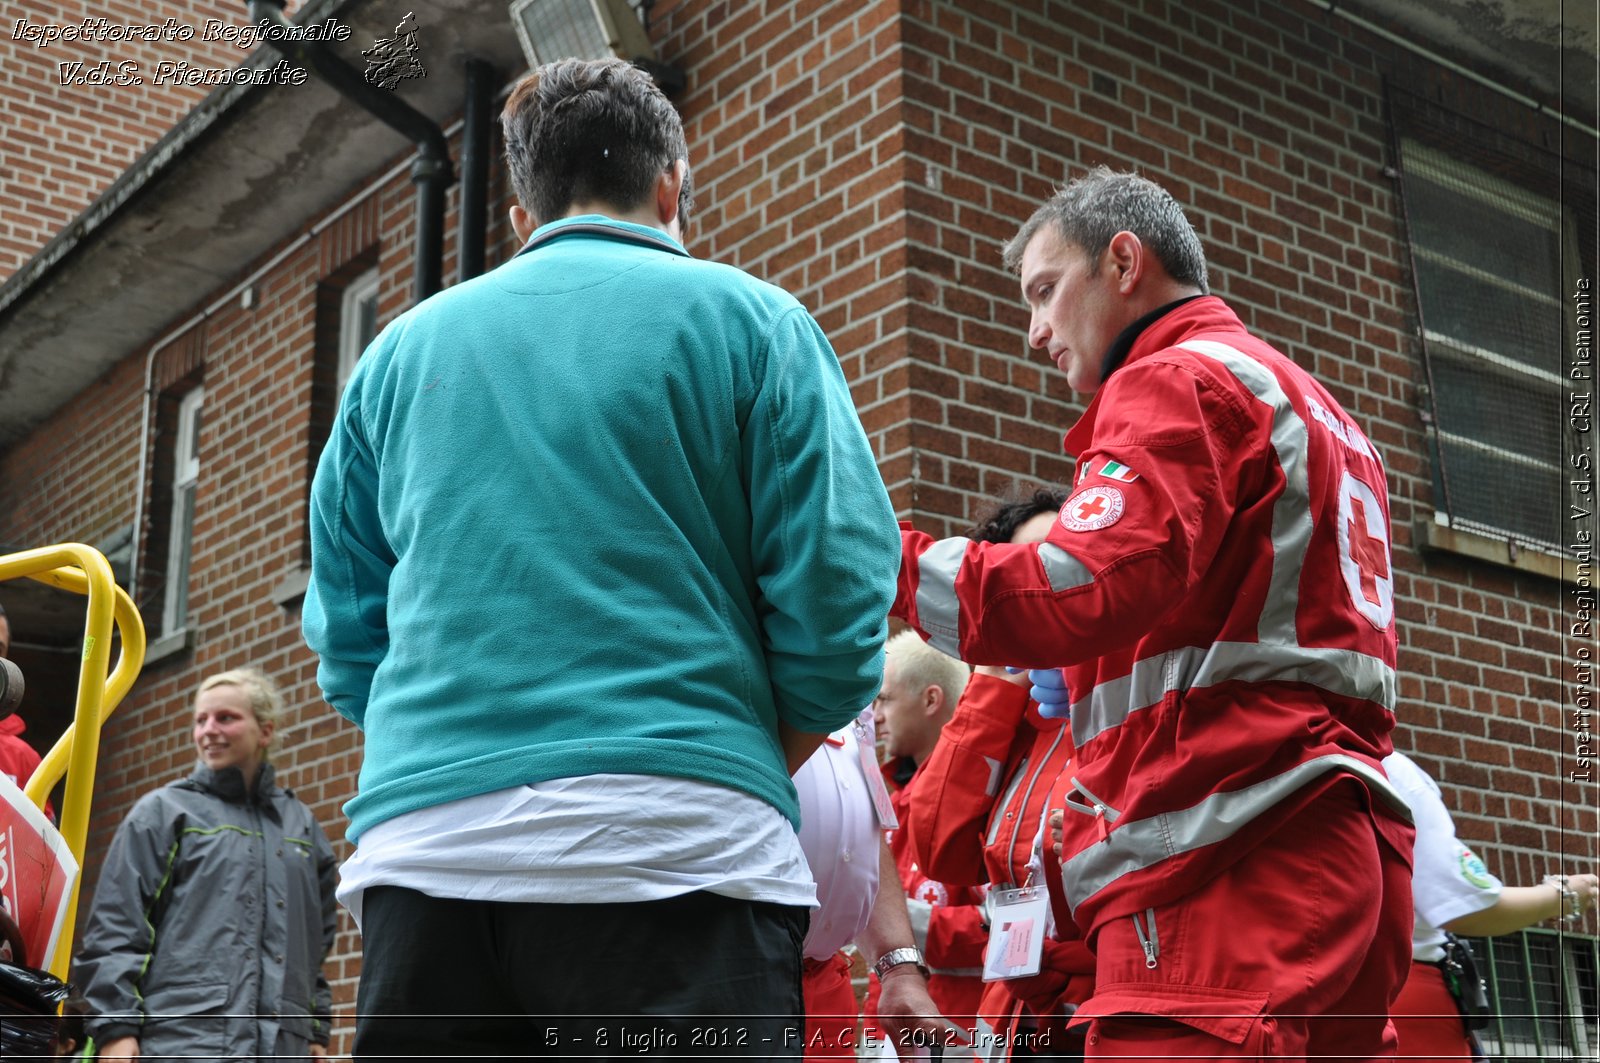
[
  {"x": 1148, "y": 944},
  {"x": 1101, "y": 822}
]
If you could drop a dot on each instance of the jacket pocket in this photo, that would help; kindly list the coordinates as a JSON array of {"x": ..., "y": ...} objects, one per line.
[
  {"x": 177, "y": 1001},
  {"x": 1085, "y": 803},
  {"x": 1139, "y": 1013},
  {"x": 189, "y": 1019}
]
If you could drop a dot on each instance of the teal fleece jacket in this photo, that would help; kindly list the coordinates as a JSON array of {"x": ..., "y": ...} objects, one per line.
[{"x": 606, "y": 508}]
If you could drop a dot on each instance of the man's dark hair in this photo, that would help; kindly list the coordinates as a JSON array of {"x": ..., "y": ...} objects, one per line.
[
  {"x": 578, "y": 131},
  {"x": 1005, "y": 518}
]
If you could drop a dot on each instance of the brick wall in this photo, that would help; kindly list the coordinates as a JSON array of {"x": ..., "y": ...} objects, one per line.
[
  {"x": 67, "y": 141},
  {"x": 795, "y": 123},
  {"x": 873, "y": 157},
  {"x": 1267, "y": 119}
]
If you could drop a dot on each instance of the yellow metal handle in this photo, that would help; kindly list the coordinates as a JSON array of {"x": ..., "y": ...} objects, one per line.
[{"x": 82, "y": 570}]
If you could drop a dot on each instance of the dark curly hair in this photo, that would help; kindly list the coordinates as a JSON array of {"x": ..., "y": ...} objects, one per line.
[{"x": 1002, "y": 522}]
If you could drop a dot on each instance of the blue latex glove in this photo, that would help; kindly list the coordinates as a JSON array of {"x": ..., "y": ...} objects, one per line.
[{"x": 1050, "y": 691}]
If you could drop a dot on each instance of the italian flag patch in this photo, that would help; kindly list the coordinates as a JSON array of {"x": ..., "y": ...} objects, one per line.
[{"x": 1121, "y": 473}]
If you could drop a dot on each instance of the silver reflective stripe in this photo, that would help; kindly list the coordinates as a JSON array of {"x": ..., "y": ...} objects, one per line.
[
  {"x": 1291, "y": 514},
  {"x": 921, "y": 913},
  {"x": 995, "y": 767},
  {"x": 1347, "y": 673},
  {"x": 1112, "y": 702},
  {"x": 938, "y": 609},
  {"x": 1139, "y": 844},
  {"x": 988, "y": 1045},
  {"x": 997, "y": 815},
  {"x": 1063, "y": 570}
]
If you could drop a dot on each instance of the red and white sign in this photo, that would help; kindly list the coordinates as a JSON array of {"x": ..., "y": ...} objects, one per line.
[
  {"x": 37, "y": 871},
  {"x": 1092, "y": 508}
]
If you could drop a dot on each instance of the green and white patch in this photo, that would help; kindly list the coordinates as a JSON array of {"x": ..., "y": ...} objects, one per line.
[{"x": 1473, "y": 869}]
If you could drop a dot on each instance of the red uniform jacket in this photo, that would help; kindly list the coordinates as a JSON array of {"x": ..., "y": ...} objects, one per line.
[
  {"x": 982, "y": 794},
  {"x": 1219, "y": 592},
  {"x": 18, "y": 760}
]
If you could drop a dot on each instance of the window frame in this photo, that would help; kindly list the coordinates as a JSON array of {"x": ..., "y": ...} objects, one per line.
[
  {"x": 352, "y": 342},
  {"x": 1422, "y": 161},
  {"x": 180, "y": 534}
]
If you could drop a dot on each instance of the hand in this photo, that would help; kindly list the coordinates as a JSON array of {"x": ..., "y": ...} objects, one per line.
[
  {"x": 120, "y": 1048},
  {"x": 1055, "y": 826},
  {"x": 908, "y": 1016},
  {"x": 1587, "y": 888},
  {"x": 1050, "y": 691},
  {"x": 1579, "y": 893},
  {"x": 319, "y": 1051}
]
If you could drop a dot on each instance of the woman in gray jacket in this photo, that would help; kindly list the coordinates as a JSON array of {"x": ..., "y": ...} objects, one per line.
[{"x": 215, "y": 906}]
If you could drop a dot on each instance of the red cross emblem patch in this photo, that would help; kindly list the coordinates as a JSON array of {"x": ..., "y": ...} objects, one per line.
[{"x": 1092, "y": 509}]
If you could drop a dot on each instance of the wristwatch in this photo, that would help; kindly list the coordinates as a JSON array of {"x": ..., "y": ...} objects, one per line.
[
  {"x": 896, "y": 958},
  {"x": 1571, "y": 903}
]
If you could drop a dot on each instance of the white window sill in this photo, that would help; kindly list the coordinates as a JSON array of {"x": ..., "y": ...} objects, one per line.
[
  {"x": 1507, "y": 553},
  {"x": 169, "y": 645},
  {"x": 292, "y": 588}
]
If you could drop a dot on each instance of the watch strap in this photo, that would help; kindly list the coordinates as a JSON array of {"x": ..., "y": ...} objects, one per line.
[{"x": 897, "y": 958}]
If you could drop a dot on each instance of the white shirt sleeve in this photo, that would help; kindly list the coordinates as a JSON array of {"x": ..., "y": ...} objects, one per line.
[{"x": 1448, "y": 879}]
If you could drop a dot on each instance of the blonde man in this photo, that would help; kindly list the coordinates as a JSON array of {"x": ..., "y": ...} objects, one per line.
[{"x": 920, "y": 689}]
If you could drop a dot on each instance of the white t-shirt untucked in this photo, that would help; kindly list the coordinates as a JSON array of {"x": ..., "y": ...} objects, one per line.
[{"x": 588, "y": 839}]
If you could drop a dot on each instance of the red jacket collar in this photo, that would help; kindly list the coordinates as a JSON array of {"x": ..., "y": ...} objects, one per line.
[{"x": 1194, "y": 318}]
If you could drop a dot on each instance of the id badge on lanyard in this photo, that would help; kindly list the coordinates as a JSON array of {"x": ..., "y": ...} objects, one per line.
[
  {"x": 1016, "y": 932},
  {"x": 867, "y": 747}
]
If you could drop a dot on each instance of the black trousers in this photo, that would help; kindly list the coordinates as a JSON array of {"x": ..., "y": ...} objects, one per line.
[{"x": 697, "y": 975}]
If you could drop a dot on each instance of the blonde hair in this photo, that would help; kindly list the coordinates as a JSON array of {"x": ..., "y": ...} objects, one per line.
[
  {"x": 918, "y": 666},
  {"x": 262, "y": 693}
]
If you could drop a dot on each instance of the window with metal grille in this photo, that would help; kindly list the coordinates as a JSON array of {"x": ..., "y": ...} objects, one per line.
[
  {"x": 1493, "y": 233},
  {"x": 1542, "y": 991}
]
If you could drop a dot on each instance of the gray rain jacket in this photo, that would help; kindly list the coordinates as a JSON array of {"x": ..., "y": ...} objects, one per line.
[{"x": 212, "y": 917}]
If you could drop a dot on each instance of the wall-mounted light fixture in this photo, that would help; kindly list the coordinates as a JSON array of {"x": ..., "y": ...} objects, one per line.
[{"x": 589, "y": 29}]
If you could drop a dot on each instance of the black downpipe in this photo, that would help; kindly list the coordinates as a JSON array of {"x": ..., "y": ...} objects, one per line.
[
  {"x": 477, "y": 144},
  {"x": 431, "y": 173}
]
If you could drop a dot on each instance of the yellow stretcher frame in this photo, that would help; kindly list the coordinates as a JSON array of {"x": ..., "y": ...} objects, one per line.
[{"x": 82, "y": 570}]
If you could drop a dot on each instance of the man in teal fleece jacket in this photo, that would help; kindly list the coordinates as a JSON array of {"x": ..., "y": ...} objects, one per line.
[{"x": 599, "y": 554}]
